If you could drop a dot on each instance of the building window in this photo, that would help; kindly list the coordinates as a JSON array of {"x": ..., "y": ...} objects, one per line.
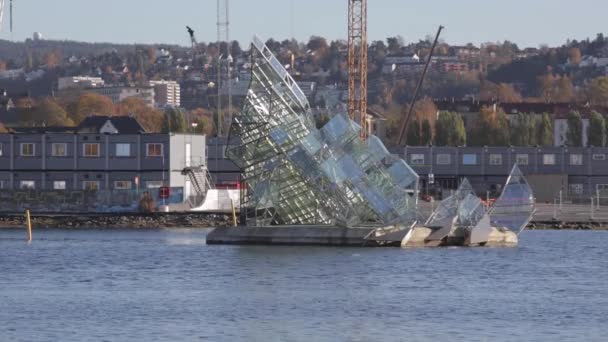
[
  {"x": 417, "y": 159},
  {"x": 59, "y": 149},
  {"x": 596, "y": 157},
  {"x": 444, "y": 159},
  {"x": 28, "y": 150},
  {"x": 1, "y": 184},
  {"x": 90, "y": 185},
  {"x": 602, "y": 189},
  {"x": 154, "y": 150},
  {"x": 469, "y": 159},
  {"x": 59, "y": 185},
  {"x": 0, "y": 150},
  {"x": 122, "y": 185},
  {"x": 91, "y": 149},
  {"x": 154, "y": 184},
  {"x": 576, "y": 189},
  {"x": 123, "y": 150},
  {"x": 576, "y": 159},
  {"x": 522, "y": 159},
  {"x": 27, "y": 185},
  {"x": 548, "y": 159},
  {"x": 495, "y": 159}
]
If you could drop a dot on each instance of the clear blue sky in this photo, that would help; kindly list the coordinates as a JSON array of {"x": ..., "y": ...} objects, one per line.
[{"x": 526, "y": 22}]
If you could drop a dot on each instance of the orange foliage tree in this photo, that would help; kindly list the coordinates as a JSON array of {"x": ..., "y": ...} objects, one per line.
[
  {"x": 150, "y": 118},
  {"x": 89, "y": 104}
]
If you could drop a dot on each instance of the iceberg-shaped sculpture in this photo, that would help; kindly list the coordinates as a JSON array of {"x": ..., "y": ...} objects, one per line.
[
  {"x": 514, "y": 208},
  {"x": 294, "y": 173}
]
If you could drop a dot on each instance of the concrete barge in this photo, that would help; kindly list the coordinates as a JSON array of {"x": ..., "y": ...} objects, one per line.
[{"x": 316, "y": 235}]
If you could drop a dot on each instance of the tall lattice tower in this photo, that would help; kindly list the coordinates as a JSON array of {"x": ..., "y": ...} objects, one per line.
[
  {"x": 357, "y": 63},
  {"x": 224, "y": 62}
]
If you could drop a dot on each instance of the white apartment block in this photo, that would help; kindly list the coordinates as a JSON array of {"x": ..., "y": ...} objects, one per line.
[{"x": 166, "y": 93}]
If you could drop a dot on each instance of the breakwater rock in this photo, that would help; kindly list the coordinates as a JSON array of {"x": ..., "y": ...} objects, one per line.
[
  {"x": 561, "y": 225},
  {"x": 138, "y": 221}
]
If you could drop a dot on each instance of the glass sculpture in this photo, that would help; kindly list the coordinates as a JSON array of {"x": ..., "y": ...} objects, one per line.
[{"x": 294, "y": 173}]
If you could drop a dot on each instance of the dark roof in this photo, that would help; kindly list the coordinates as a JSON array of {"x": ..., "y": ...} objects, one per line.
[
  {"x": 124, "y": 124},
  {"x": 42, "y": 130}
]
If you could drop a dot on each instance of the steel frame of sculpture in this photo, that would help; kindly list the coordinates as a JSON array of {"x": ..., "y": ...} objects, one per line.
[{"x": 294, "y": 173}]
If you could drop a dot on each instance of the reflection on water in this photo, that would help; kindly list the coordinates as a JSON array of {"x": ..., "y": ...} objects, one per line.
[{"x": 167, "y": 285}]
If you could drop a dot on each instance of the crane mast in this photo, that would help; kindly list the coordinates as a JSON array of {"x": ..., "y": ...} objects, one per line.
[{"x": 357, "y": 63}]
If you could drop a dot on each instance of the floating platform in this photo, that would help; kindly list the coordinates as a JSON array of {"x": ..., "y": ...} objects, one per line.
[
  {"x": 317, "y": 235},
  {"x": 302, "y": 235}
]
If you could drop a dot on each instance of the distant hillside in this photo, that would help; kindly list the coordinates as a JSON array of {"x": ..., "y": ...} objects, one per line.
[{"x": 15, "y": 54}]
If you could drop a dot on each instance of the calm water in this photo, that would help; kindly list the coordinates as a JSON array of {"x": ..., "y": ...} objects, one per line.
[{"x": 169, "y": 286}]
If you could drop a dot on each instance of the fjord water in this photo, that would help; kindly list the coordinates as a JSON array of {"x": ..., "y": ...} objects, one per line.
[{"x": 167, "y": 285}]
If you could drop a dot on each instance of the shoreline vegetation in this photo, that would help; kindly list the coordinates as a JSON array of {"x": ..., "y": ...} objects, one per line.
[{"x": 195, "y": 220}]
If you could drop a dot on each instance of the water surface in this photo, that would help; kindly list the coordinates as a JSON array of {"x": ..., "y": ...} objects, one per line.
[{"x": 169, "y": 286}]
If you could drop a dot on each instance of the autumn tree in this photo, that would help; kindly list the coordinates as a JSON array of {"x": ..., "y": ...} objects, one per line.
[
  {"x": 545, "y": 131},
  {"x": 597, "y": 130},
  {"x": 574, "y": 135},
  {"x": 3, "y": 128},
  {"x": 597, "y": 90},
  {"x": 574, "y": 56},
  {"x": 204, "y": 121},
  {"x": 491, "y": 128},
  {"x": 150, "y": 118},
  {"x": 47, "y": 112},
  {"x": 89, "y": 104},
  {"x": 450, "y": 130},
  {"x": 506, "y": 93},
  {"x": 2, "y": 65},
  {"x": 52, "y": 59}
]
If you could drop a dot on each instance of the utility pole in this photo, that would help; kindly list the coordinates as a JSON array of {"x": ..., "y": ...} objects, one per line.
[{"x": 357, "y": 63}]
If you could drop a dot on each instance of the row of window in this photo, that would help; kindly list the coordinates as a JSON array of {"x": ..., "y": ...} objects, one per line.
[
  {"x": 86, "y": 185},
  {"x": 497, "y": 159},
  {"x": 88, "y": 150}
]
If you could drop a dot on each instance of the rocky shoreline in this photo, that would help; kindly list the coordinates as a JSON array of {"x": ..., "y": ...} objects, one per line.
[
  {"x": 196, "y": 220},
  {"x": 117, "y": 221}
]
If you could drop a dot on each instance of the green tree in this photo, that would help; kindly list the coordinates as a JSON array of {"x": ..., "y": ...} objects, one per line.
[
  {"x": 450, "y": 130},
  {"x": 545, "y": 131},
  {"x": 426, "y": 133},
  {"x": 413, "y": 133},
  {"x": 524, "y": 130},
  {"x": 174, "y": 121},
  {"x": 574, "y": 136},
  {"x": 597, "y": 130}
]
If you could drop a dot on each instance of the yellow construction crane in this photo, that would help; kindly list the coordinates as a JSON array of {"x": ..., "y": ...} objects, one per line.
[{"x": 357, "y": 63}]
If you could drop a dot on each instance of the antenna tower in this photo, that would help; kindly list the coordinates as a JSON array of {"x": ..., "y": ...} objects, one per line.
[{"x": 223, "y": 35}]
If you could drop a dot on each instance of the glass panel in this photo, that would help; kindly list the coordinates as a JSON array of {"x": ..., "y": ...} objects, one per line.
[{"x": 515, "y": 206}]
